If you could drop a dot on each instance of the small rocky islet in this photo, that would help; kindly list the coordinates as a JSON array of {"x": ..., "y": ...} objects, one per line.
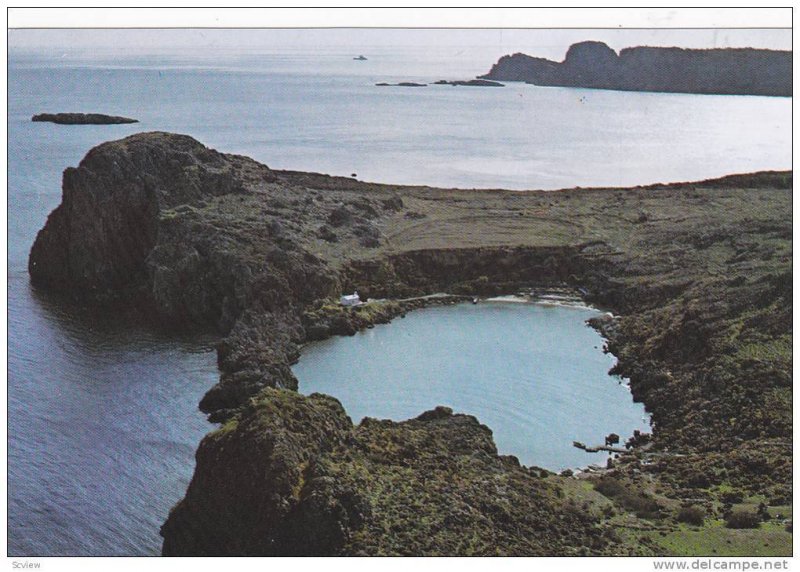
[
  {"x": 82, "y": 119},
  {"x": 469, "y": 83},
  {"x": 698, "y": 276},
  {"x": 401, "y": 84}
]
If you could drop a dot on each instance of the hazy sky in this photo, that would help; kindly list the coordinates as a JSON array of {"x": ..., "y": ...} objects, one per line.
[{"x": 551, "y": 43}]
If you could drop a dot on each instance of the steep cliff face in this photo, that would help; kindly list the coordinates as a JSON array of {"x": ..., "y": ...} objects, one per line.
[
  {"x": 96, "y": 243},
  {"x": 250, "y": 475},
  {"x": 742, "y": 71},
  {"x": 590, "y": 64},
  {"x": 290, "y": 475},
  {"x": 484, "y": 271}
]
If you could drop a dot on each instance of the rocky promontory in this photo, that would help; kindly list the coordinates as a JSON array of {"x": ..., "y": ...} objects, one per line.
[
  {"x": 322, "y": 486},
  {"x": 698, "y": 276},
  {"x": 82, "y": 119},
  {"x": 732, "y": 71}
]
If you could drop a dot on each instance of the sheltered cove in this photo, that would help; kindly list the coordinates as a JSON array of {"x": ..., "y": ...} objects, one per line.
[
  {"x": 698, "y": 273},
  {"x": 529, "y": 367}
]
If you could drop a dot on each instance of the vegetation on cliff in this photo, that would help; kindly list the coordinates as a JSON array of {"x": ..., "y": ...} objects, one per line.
[
  {"x": 698, "y": 276},
  {"x": 434, "y": 485}
]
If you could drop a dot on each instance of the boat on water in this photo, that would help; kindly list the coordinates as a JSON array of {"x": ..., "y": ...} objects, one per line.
[{"x": 360, "y": 58}]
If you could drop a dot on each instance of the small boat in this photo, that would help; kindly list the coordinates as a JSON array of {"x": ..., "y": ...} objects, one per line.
[
  {"x": 475, "y": 300},
  {"x": 360, "y": 59}
]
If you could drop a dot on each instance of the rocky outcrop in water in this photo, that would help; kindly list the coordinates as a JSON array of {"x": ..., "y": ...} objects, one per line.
[
  {"x": 97, "y": 242},
  {"x": 401, "y": 84},
  {"x": 470, "y": 83},
  {"x": 82, "y": 119},
  {"x": 734, "y": 71},
  {"x": 698, "y": 276}
]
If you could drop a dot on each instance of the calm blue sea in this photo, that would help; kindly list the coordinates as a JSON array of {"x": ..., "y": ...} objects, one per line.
[{"x": 103, "y": 419}]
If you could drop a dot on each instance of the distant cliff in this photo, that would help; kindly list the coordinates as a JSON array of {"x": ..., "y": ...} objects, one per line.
[{"x": 739, "y": 71}]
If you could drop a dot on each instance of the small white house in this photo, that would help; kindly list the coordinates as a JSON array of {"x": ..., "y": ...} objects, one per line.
[{"x": 350, "y": 299}]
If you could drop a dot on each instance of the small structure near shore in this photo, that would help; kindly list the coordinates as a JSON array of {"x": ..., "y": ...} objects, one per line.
[{"x": 350, "y": 299}]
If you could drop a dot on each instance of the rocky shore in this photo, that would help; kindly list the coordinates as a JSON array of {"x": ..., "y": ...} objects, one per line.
[{"x": 698, "y": 276}]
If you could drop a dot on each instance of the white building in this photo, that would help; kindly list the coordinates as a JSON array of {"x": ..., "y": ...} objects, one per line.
[{"x": 350, "y": 299}]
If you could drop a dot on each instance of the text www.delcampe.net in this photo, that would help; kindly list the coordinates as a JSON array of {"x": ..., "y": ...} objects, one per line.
[{"x": 719, "y": 564}]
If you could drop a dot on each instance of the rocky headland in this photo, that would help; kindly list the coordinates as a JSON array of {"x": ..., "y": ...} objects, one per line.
[
  {"x": 698, "y": 276},
  {"x": 82, "y": 119},
  {"x": 733, "y": 71}
]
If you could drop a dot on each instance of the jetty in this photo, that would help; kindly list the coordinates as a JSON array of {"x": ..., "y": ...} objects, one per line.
[{"x": 599, "y": 448}]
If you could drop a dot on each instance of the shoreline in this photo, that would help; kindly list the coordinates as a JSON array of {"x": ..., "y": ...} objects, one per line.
[{"x": 260, "y": 256}]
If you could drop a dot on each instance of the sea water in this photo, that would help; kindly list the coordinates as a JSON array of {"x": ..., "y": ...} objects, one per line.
[
  {"x": 103, "y": 419},
  {"x": 321, "y": 112},
  {"x": 535, "y": 374}
]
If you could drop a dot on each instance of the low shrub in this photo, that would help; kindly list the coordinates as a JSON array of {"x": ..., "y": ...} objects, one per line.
[
  {"x": 609, "y": 487},
  {"x": 641, "y": 505},
  {"x": 730, "y": 497},
  {"x": 743, "y": 518},
  {"x": 693, "y": 515},
  {"x": 630, "y": 498}
]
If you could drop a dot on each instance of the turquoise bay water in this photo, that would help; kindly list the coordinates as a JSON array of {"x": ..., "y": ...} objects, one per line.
[
  {"x": 103, "y": 419},
  {"x": 535, "y": 374}
]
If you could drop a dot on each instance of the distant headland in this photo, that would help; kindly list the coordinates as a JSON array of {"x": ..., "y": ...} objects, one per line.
[
  {"x": 725, "y": 71},
  {"x": 82, "y": 119}
]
